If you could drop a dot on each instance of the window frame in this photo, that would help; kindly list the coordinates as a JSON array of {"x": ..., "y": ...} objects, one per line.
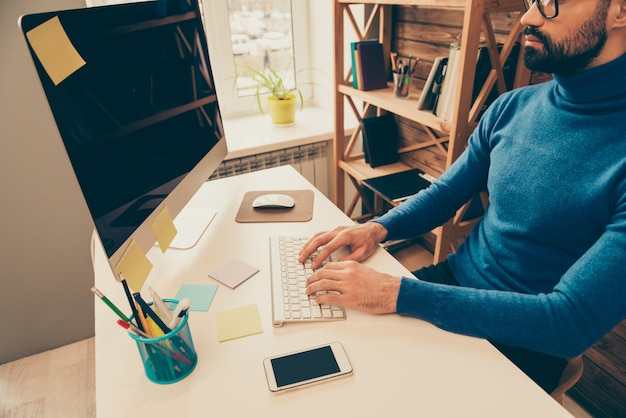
[{"x": 217, "y": 27}]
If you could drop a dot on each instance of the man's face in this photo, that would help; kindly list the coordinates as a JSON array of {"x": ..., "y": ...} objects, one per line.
[{"x": 569, "y": 53}]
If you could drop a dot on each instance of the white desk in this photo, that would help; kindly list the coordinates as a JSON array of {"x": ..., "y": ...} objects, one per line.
[{"x": 403, "y": 367}]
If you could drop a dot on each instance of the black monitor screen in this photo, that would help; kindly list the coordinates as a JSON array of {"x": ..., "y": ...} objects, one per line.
[{"x": 140, "y": 112}]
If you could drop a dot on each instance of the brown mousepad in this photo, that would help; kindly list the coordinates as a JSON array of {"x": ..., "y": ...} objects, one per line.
[{"x": 301, "y": 212}]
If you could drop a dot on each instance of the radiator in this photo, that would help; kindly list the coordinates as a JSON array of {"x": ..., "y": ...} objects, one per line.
[{"x": 310, "y": 160}]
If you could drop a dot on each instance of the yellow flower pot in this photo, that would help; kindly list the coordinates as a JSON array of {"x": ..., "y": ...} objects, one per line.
[{"x": 282, "y": 111}]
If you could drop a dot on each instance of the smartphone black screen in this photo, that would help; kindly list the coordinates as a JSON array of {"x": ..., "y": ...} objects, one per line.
[{"x": 306, "y": 365}]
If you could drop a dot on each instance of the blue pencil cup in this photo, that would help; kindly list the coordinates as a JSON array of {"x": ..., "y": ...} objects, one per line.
[{"x": 170, "y": 357}]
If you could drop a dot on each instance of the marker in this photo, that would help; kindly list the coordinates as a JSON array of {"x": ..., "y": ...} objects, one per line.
[{"x": 110, "y": 304}]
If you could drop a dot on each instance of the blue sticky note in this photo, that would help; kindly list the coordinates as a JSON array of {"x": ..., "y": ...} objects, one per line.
[{"x": 201, "y": 295}]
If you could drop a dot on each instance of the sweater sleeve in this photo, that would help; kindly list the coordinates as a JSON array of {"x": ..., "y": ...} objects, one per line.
[{"x": 588, "y": 301}]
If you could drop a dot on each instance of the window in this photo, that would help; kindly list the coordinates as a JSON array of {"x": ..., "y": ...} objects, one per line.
[{"x": 260, "y": 34}]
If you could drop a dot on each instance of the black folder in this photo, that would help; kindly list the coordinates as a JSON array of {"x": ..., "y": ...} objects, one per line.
[
  {"x": 398, "y": 187},
  {"x": 380, "y": 140}
]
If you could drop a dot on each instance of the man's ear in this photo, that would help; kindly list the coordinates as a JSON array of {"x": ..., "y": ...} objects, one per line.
[{"x": 619, "y": 8}]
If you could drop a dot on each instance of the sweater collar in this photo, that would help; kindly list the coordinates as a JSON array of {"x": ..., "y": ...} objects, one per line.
[{"x": 592, "y": 86}]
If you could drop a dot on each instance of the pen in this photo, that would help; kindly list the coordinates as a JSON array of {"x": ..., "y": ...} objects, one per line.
[
  {"x": 131, "y": 302},
  {"x": 407, "y": 79},
  {"x": 110, "y": 304}
]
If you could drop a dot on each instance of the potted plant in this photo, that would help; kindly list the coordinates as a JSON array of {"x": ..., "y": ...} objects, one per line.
[{"x": 282, "y": 92}]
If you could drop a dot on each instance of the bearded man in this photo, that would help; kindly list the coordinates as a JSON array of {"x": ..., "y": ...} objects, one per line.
[{"x": 542, "y": 275}]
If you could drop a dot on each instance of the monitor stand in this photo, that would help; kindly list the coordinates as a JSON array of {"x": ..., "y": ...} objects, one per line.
[{"x": 191, "y": 223}]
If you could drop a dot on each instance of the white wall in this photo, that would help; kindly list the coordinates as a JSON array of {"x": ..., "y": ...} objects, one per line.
[{"x": 45, "y": 264}]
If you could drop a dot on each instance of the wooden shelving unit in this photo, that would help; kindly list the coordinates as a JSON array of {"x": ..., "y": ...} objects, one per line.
[{"x": 444, "y": 140}]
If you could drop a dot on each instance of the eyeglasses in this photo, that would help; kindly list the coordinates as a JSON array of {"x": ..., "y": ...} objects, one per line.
[{"x": 548, "y": 8}]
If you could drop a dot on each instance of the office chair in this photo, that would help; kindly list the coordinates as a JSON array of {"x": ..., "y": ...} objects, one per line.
[{"x": 571, "y": 374}]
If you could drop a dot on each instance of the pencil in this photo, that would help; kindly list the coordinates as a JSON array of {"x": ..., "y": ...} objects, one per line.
[
  {"x": 110, "y": 304},
  {"x": 144, "y": 322}
]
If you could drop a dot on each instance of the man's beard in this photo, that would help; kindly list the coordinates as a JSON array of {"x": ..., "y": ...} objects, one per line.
[{"x": 572, "y": 54}]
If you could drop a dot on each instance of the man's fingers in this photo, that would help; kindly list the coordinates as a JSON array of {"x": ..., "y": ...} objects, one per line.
[
  {"x": 323, "y": 285},
  {"x": 331, "y": 298},
  {"x": 316, "y": 241}
]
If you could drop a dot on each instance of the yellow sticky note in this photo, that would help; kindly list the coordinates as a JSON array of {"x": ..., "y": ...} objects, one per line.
[
  {"x": 164, "y": 229},
  {"x": 134, "y": 266},
  {"x": 55, "y": 50},
  {"x": 238, "y": 322}
]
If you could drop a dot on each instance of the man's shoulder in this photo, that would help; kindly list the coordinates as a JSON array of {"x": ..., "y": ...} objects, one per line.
[{"x": 521, "y": 96}]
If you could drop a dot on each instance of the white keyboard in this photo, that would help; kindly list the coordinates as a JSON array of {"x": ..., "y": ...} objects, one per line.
[{"x": 290, "y": 302}]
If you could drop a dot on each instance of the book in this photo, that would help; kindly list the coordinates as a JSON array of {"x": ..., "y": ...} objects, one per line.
[
  {"x": 380, "y": 139},
  {"x": 436, "y": 87},
  {"x": 371, "y": 66},
  {"x": 353, "y": 53},
  {"x": 445, "y": 105},
  {"x": 398, "y": 187},
  {"x": 424, "y": 100},
  {"x": 354, "y": 58}
]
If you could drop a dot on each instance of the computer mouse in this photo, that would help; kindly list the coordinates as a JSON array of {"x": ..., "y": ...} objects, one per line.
[{"x": 273, "y": 201}]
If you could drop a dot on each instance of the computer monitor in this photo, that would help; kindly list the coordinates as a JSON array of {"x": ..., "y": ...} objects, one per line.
[{"x": 132, "y": 93}]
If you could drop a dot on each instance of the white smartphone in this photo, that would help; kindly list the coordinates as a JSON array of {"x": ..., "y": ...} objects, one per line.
[{"x": 306, "y": 367}]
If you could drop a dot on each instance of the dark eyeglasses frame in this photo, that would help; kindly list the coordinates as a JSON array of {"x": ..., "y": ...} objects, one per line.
[{"x": 529, "y": 4}]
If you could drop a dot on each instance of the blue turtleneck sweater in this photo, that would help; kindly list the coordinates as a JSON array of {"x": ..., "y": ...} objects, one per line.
[{"x": 545, "y": 268}]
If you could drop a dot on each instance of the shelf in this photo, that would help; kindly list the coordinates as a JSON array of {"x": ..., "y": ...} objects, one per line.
[
  {"x": 360, "y": 170},
  {"x": 385, "y": 99}
]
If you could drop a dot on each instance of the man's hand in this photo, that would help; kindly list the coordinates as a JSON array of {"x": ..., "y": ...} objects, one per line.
[
  {"x": 353, "y": 285},
  {"x": 362, "y": 239}
]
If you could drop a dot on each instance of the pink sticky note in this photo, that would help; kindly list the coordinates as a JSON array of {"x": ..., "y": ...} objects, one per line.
[{"x": 233, "y": 273}]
